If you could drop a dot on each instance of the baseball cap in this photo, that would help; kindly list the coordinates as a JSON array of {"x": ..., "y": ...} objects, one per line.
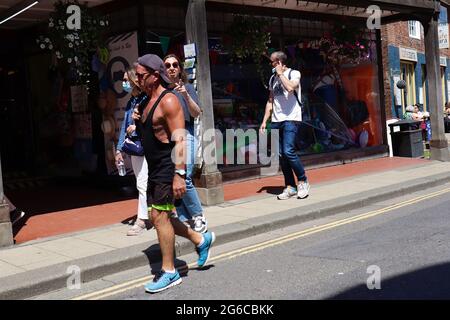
[{"x": 154, "y": 62}]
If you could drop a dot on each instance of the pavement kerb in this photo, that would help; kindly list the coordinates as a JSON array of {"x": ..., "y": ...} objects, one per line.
[{"x": 31, "y": 283}]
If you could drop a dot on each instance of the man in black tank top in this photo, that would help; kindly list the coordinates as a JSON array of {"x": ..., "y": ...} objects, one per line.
[{"x": 161, "y": 126}]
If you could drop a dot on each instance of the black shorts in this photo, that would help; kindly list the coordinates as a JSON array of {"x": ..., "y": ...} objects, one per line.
[{"x": 160, "y": 196}]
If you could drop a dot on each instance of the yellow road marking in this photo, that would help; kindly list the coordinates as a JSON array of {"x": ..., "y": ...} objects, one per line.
[{"x": 263, "y": 245}]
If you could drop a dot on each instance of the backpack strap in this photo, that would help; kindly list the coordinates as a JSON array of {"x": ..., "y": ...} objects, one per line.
[
  {"x": 271, "y": 81},
  {"x": 295, "y": 91}
]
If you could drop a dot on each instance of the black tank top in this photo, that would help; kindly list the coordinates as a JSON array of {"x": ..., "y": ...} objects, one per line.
[{"x": 161, "y": 168}]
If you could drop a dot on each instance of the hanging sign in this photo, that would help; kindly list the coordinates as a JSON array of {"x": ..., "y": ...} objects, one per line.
[{"x": 443, "y": 36}]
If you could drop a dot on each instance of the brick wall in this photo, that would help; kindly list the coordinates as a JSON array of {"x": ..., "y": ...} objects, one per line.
[
  {"x": 397, "y": 34},
  {"x": 386, "y": 75}
]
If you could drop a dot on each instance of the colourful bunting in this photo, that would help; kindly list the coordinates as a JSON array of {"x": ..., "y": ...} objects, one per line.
[{"x": 164, "y": 43}]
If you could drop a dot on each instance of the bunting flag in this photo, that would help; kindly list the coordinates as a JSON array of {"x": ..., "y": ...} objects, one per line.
[{"x": 164, "y": 43}]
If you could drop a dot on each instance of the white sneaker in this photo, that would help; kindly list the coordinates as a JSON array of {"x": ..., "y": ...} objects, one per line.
[
  {"x": 200, "y": 224},
  {"x": 303, "y": 190},
  {"x": 287, "y": 193},
  {"x": 138, "y": 227}
]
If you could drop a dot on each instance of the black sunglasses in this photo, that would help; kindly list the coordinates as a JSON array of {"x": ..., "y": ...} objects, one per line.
[{"x": 168, "y": 65}]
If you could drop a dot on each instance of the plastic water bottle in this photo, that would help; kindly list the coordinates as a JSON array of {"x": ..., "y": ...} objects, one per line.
[{"x": 121, "y": 168}]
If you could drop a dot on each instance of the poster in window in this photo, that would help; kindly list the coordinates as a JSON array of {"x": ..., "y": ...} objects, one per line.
[{"x": 190, "y": 51}]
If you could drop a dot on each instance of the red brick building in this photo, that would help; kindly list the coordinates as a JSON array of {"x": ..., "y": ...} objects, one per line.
[{"x": 403, "y": 51}]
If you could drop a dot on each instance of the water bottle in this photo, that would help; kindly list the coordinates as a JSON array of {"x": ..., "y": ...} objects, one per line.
[{"x": 121, "y": 168}]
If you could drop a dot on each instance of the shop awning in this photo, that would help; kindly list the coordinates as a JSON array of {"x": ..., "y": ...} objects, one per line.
[{"x": 391, "y": 10}]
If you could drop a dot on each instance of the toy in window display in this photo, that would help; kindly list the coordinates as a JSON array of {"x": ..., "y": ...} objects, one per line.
[{"x": 363, "y": 138}]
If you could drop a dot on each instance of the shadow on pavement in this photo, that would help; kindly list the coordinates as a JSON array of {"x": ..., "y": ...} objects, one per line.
[
  {"x": 67, "y": 195},
  {"x": 427, "y": 283},
  {"x": 153, "y": 254},
  {"x": 275, "y": 190}
]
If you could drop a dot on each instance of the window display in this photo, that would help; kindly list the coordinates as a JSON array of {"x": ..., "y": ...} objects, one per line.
[{"x": 340, "y": 94}]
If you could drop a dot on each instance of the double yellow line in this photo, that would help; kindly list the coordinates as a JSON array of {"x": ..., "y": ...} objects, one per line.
[{"x": 114, "y": 290}]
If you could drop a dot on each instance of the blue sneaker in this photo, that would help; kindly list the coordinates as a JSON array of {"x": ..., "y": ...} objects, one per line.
[
  {"x": 204, "y": 250},
  {"x": 163, "y": 281}
]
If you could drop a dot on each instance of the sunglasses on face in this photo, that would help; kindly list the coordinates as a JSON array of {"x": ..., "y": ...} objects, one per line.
[
  {"x": 141, "y": 76},
  {"x": 175, "y": 65}
]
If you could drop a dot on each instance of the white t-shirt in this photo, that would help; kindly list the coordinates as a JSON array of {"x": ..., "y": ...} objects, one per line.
[{"x": 285, "y": 104}]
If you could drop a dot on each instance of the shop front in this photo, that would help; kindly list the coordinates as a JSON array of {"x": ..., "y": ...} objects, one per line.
[
  {"x": 340, "y": 91},
  {"x": 329, "y": 43},
  {"x": 343, "y": 93}
]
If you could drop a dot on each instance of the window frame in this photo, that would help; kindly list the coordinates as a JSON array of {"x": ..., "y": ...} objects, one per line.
[{"x": 416, "y": 24}]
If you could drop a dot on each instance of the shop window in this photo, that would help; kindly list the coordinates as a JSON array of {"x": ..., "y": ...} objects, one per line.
[
  {"x": 414, "y": 29},
  {"x": 341, "y": 105},
  {"x": 409, "y": 93}
]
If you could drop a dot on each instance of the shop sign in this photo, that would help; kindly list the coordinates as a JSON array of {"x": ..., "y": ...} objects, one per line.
[
  {"x": 443, "y": 61},
  {"x": 408, "y": 54},
  {"x": 443, "y": 36}
]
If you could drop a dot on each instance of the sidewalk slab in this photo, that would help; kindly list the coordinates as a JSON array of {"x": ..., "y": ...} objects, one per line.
[
  {"x": 231, "y": 222},
  {"x": 45, "y": 219}
]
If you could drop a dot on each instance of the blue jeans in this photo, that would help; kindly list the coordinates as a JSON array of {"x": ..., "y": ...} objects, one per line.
[
  {"x": 190, "y": 206},
  {"x": 289, "y": 160}
]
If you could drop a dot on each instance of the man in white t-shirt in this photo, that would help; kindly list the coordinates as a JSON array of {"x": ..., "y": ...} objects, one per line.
[{"x": 285, "y": 107}]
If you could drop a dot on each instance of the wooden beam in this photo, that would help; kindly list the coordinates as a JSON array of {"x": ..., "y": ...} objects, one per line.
[
  {"x": 404, "y": 6},
  {"x": 381, "y": 85},
  {"x": 438, "y": 144},
  {"x": 210, "y": 187},
  {"x": 395, "y": 18},
  {"x": 279, "y": 13}
]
